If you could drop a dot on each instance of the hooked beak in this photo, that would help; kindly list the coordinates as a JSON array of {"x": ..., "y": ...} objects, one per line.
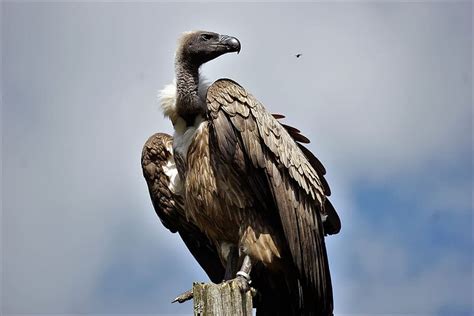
[{"x": 231, "y": 43}]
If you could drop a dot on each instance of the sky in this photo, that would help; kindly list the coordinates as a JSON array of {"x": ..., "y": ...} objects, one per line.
[{"x": 383, "y": 90}]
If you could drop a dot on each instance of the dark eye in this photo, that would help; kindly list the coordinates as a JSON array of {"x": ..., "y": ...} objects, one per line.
[{"x": 206, "y": 37}]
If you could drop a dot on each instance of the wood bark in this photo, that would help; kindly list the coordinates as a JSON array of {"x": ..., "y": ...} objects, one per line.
[{"x": 224, "y": 299}]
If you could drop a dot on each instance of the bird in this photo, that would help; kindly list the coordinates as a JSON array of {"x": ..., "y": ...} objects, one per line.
[
  {"x": 298, "y": 55},
  {"x": 249, "y": 200}
]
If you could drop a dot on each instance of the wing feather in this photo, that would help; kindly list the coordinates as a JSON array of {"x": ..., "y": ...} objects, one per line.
[
  {"x": 296, "y": 187},
  {"x": 157, "y": 160},
  {"x": 156, "y": 156},
  {"x": 333, "y": 224}
]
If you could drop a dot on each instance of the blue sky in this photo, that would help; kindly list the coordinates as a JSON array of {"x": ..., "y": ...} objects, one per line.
[{"x": 383, "y": 90}]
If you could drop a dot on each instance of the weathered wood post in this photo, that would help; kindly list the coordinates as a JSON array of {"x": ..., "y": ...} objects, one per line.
[{"x": 224, "y": 299}]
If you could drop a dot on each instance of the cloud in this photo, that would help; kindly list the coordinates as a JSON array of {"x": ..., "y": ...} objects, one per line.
[
  {"x": 390, "y": 287},
  {"x": 386, "y": 265},
  {"x": 383, "y": 91},
  {"x": 384, "y": 94}
]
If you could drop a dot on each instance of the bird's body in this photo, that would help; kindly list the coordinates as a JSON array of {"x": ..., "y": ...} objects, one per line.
[
  {"x": 222, "y": 204},
  {"x": 256, "y": 195}
]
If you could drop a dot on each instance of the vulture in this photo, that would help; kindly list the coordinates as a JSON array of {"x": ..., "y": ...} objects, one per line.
[{"x": 246, "y": 196}]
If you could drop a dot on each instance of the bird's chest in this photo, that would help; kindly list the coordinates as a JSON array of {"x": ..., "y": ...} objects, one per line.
[{"x": 221, "y": 203}]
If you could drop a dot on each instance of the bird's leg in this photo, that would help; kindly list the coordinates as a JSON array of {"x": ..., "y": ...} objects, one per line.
[
  {"x": 243, "y": 276},
  {"x": 232, "y": 262}
]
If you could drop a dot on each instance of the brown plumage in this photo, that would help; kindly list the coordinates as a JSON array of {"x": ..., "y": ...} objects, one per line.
[
  {"x": 273, "y": 167},
  {"x": 169, "y": 205},
  {"x": 249, "y": 185}
]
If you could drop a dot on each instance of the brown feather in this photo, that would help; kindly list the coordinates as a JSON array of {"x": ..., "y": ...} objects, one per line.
[
  {"x": 315, "y": 163},
  {"x": 169, "y": 206},
  {"x": 291, "y": 178},
  {"x": 278, "y": 116}
]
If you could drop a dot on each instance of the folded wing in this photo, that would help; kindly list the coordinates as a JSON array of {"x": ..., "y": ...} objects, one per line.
[
  {"x": 297, "y": 187},
  {"x": 163, "y": 183}
]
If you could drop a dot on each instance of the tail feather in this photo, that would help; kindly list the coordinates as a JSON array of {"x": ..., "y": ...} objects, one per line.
[{"x": 283, "y": 294}]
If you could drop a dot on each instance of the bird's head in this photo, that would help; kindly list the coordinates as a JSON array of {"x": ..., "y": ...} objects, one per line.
[{"x": 199, "y": 47}]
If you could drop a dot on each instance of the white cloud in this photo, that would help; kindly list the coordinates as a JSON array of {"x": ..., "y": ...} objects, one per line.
[
  {"x": 382, "y": 90},
  {"x": 376, "y": 273},
  {"x": 390, "y": 289}
]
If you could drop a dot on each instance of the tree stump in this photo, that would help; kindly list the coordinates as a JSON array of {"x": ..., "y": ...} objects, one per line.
[{"x": 221, "y": 300}]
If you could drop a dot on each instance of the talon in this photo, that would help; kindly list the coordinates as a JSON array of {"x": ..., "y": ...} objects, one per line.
[
  {"x": 243, "y": 276},
  {"x": 186, "y": 296},
  {"x": 242, "y": 283}
]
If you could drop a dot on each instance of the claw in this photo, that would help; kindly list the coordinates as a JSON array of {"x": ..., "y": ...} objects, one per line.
[
  {"x": 242, "y": 283},
  {"x": 186, "y": 296}
]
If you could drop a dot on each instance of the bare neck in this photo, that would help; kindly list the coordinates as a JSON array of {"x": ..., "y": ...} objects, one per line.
[{"x": 188, "y": 103}]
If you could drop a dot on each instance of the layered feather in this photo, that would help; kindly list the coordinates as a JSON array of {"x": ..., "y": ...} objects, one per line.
[
  {"x": 298, "y": 190},
  {"x": 165, "y": 188}
]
